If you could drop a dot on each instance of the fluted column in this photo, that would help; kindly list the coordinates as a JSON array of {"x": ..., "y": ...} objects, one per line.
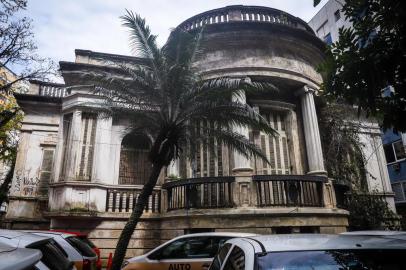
[
  {"x": 311, "y": 132},
  {"x": 241, "y": 163},
  {"x": 103, "y": 160},
  {"x": 73, "y": 149},
  {"x": 173, "y": 168}
]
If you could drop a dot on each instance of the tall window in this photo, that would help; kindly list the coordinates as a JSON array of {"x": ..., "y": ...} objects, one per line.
[
  {"x": 88, "y": 133},
  {"x": 275, "y": 148},
  {"x": 46, "y": 170},
  {"x": 135, "y": 166},
  {"x": 208, "y": 160},
  {"x": 67, "y": 124}
]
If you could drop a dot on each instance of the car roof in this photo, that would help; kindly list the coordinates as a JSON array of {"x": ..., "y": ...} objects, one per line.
[
  {"x": 375, "y": 233},
  {"x": 5, "y": 248},
  {"x": 401, "y": 235},
  {"x": 19, "y": 238},
  {"x": 224, "y": 234},
  {"x": 301, "y": 242},
  {"x": 13, "y": 258},
  {"x": 51, "y": 233}
]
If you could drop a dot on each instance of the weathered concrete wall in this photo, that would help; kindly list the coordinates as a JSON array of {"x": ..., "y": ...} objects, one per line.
[
  {"x": 38, "y": 133},
  {"x": 105, "y": 233},
  {"x": 261, "y": 50}
]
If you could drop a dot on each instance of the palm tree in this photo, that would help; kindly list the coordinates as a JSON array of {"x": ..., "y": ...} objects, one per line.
[{"x": 167, "y": 100}]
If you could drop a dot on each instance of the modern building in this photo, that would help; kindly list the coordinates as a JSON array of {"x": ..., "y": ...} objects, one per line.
[
  {"x": 77, "y": 170},
  {"x": 395, "y": 145},
  {"x": 328, "y": 20},
  {"x": 326, "y": 24}
]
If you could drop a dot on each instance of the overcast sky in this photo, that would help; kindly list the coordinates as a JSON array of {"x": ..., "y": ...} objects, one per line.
[{"x": 61, "y": 26}]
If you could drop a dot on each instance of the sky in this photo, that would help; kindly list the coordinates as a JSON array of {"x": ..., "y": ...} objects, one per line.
[{"x": 61, "y": 26}]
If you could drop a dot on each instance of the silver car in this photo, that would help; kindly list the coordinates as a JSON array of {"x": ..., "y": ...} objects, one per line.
[
  {"x": 79, "y": 252},
  {"x": 13, "y": 258},
  {"x": 53, "y": 257},
  {"x": 310, "y": 252}
]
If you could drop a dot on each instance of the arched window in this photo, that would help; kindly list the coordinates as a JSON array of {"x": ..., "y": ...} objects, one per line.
[{"x": 135, "y": 167}]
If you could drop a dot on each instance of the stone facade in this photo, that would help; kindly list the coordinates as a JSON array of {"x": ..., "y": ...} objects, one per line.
[{"x": 76, "y": 171}]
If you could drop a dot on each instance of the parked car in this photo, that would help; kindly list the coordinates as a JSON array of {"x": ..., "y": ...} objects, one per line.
[
  {"x": 12, "y": 258},
  {"x": 78, "y": 251},
  {"x": 86, "y": 239},
  {"x": 401, "y": 235},
  {"x": 187, "y": 252},
  {"x": 53, "y": 256},
  {"x": 311, "y": 251}
]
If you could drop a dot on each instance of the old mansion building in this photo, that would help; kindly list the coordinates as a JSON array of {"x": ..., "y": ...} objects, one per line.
[{"x": 77, "y": 170}]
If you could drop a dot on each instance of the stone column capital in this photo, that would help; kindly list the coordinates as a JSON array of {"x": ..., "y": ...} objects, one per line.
[{"x": 305, "y": 90}]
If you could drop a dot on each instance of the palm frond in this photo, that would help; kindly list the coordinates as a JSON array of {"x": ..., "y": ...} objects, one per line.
[{"x": 142, "y": 41}]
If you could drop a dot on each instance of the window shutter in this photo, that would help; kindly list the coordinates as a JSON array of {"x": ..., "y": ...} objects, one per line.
[
  {"x": 46, "y": 169},
  {"x": 87, "y": 149}
]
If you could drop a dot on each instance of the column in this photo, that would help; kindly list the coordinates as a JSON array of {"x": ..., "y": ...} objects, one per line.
[
  {"x": 173, "y": 169},
  {"x": 241, "y": 163},
  {"x": 73, "y": 150},
  {"x": 103, "y": 160},
  {"x": 311, "y": 132}
]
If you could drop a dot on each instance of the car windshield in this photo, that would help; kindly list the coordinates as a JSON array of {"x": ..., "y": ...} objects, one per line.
[
  {"x": 81, "y": 246},
  {"x": 52, "y": 255},
  {"x": 333, "y": 260}
]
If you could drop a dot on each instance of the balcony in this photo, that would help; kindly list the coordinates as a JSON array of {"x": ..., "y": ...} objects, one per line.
[
  {"x": 289, "y": 190},
  {"x": 200, "y": 193},
  {"x": 247, "y": 14},
  {"x": 250, "y": 193}
]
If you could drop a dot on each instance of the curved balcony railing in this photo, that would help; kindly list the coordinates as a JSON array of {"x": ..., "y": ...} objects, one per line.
[
  {"x": 124, "y": 200},
  {"x": 205, "y": 192},
  {"x": 246, "y": 14},
  {"x": 289, "y": 190}
]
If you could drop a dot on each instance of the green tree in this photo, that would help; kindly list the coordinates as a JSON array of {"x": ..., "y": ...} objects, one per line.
[
  {"x": 10, "y": 122},
  {"x": 167, "y": 100},
  {"x": 340, "y": 130},
  {"x": 368, "y": 58},
  {"x": 369, "y": 211},
  {"x": 17, "y": 47},
  {"x": 342, "y": 147}
]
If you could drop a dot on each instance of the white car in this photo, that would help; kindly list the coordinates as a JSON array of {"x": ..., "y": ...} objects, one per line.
[
  {"x": 401, "y": 235},
  {"x": 186, "y": 252},
  {"x": 53, "y": 256},
  {"x": 311, "y": 252},
  {"x": 79, "y": 252},
  {"x": 13, "y": 258}
]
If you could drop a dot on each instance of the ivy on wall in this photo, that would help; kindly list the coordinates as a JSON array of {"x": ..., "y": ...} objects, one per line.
[{"x": 344, "y": 159}]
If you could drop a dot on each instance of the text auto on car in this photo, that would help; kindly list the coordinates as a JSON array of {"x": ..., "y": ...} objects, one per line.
[{"x": 186, "y": 252}]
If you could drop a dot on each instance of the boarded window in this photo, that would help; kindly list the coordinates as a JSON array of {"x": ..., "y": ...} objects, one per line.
[
  {"x": 209, "y": 155},
  {"x": 135, "y": 166},
  {"x": 88, "y": 133},
  {"x": 275, "y": 148},
  {"x": 46, "y": 169},
  {"x": 67, "y": 124}
]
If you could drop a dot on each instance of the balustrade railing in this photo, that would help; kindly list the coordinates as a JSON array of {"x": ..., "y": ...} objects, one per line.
[
  {"x": 289, "y": 190},
  {"x": 124, "y": 200},
  {"x": 205, "y": 192},
  {"x": 244, "y": 13},
  {"x": 52, "y": 91}
]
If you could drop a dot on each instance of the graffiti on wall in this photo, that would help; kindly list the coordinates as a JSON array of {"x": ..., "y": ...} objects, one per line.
[{"x": 25, "y": 184}]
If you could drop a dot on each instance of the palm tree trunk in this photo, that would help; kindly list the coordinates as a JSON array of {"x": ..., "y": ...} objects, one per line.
[{"x": 132, "y": 222}]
